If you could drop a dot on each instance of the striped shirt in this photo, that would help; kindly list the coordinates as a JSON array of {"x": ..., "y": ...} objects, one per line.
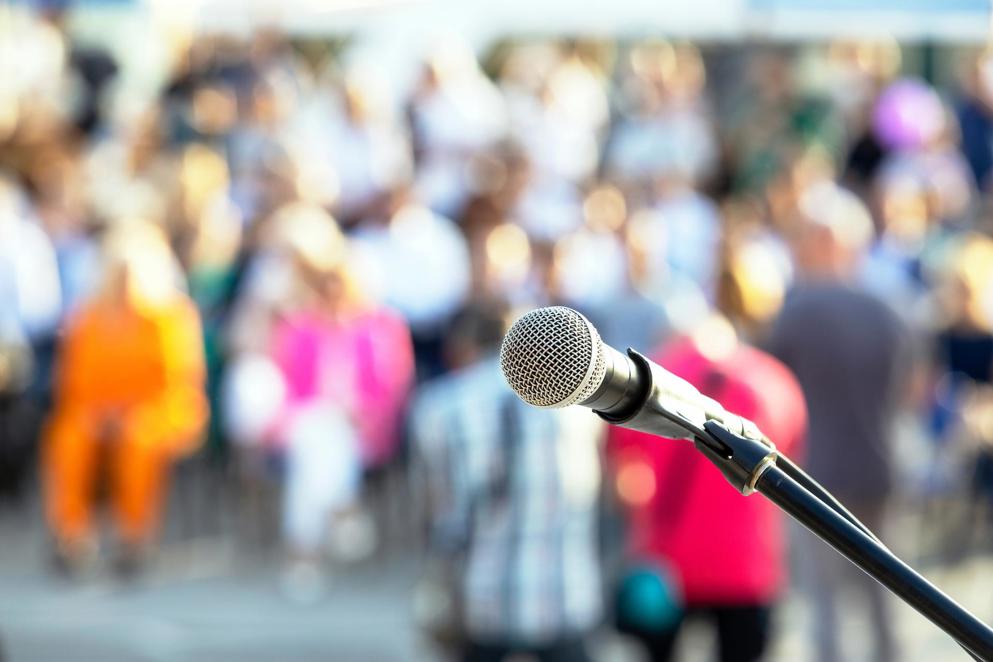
[{"x": 513, "y": 492}]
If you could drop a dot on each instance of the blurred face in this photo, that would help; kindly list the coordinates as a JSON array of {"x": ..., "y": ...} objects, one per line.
[
  {"x": 817, "y": 252},
  {"x": 120, "y": 283},
  {"x": 333, "y": 290},
  {"x": 637, "y": 241},
  {"x": 955, "y": 297},
  {"x": 905, "y": 214},
  {"x": 329, "y": 287},
  {"x": 984, "y": 79},
  {"x": 356, "y": 105},
  {"x": 507, "y": 258},
  {"x": 139, "y": 269},
  {"x": 265, "y": 105}
]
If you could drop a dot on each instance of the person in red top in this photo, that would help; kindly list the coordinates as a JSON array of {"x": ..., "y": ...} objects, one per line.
[{"x": 723, "y": 554}]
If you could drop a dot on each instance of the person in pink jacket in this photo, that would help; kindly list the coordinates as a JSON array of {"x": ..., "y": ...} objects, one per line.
[
  {"x": 362, "y": 362},
  {"x": 346, "y": 367},
  {"x": 722, "y": 555}
]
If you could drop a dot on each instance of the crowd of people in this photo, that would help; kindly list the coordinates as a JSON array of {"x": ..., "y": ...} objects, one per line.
[{"x": 293, "y": 265}]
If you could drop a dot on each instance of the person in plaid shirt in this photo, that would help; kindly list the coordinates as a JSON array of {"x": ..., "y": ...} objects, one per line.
[{"x": 512, "y": 501}]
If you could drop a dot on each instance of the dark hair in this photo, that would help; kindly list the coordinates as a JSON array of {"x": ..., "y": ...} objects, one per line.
[{"x": 479, "y": 325}]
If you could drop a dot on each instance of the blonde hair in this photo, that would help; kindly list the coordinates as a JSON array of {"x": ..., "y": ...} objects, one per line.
[
  {"x": 840, "y": 212},
  {"x": 140, "y": 249},
  {"x": 316, "y": 244},
  {"x": 970, "y": 264}
]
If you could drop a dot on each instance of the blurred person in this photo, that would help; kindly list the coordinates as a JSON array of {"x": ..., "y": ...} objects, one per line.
[
  {"x": 591, "y": 268},
  {"x": 202, "y": 181},
  {"x": 207, "y": 78},
  {"x": 30, "y": 309},
  {"x": 334, "y": 317},
  {"x": 271, "y": 54},
  {"x": 849, "y": 351},
  {"x": 849, "y": 74},
  {"x": 418, "y": 263},
  {"x": 549, "y": 208},
  {"x": 264, "y": 284},
  {"x": 752, "y": 280},
  {"x": 129, "y": 400},
  {"x": 503, "y": 174},
  {"x": 30, "y": 277},
  {"x": 523, "y": 69},
  {"x": 371, "y": 151},
  {"x": 690, "y": 229},
  {"x": 213, "y": 270},
  {"x": 963, "y": 353},
  {"x": 920, "y": 135},
  {"x": 626, "y": 313},
  {"x": 747, "y": 225},
  {"x": 864, "y": 156},
  {"x": 756, "y": 122},
  {"x": 665, "y": 125},
  {"x": 863, "y": 67},
  {"x": 347, "y": 365},
  {"x": 924, "y": 197},
  {"x": 975, "y": 116},
  {"x": 679, "y": 297},
  {"x": 634, "y": 317},
  {"x": 893, "y": 268},
  {"x": 695, "y": 546},
  {"x": 547, "y": 80},
  {"x": 454, "y": 112},
  {"x": 61, "y": 201},
  {"x": 502, "y": 263},
  {"x": 264, "y": 173},
  {"x": 799, "y": 169},
  {"x": 662, "y": 150},
  {"x": 93, "y": 69},
  {"x": 560, "y": 125},
  {"x": 512, "y": 502},
  {"x": 18, "y": 417},
  {"x": 556, "y": 111},
  {"x": 965, "y": 306},
  {"x": 680, "y": 237},
  {"x": 129, "y": 173},
  {"x": 38, "y": 76}
]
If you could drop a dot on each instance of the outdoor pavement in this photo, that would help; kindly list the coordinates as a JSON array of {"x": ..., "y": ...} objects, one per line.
[{"x": 207, "y": 600}]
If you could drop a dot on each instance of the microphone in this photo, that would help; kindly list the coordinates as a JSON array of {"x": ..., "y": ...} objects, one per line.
[{"x": 553, "y": 357}]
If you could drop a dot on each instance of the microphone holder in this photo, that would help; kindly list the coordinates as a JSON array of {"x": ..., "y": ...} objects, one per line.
[{"x": 754, "y": 466}]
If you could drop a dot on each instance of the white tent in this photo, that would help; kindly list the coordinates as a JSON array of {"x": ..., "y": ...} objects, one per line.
[{"x": 479, "y": 22}]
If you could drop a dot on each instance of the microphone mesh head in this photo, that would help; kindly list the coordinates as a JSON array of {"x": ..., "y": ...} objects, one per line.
[{"x": 553, "y": 357}]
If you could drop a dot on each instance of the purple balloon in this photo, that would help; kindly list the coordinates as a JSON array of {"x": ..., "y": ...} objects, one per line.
[{"x": 908, "y": 115}]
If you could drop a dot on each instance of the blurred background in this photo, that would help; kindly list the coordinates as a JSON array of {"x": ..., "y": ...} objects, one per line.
[{"x": 256, "y": 259}]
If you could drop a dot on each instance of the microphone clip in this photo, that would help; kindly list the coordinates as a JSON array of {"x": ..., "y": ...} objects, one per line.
[{"x": 742, "y": 460}]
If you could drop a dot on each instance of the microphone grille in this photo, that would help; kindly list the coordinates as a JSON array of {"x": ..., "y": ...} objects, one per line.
[{"x": 553, "y": 357}]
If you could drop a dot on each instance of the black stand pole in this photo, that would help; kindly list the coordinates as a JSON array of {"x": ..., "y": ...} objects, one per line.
[
  {"x": 750, "y": 465},
  {"x": 877, "y": 561}
]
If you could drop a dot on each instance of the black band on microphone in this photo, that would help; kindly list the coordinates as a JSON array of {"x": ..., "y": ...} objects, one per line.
[
  {"x": 625, "y": 388},
  {"x": 635, "y": 397}
]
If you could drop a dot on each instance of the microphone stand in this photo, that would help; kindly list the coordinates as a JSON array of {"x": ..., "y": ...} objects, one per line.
[{"x": 753, "y": 466}]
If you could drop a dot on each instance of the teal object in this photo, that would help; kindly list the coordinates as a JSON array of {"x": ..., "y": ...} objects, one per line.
[{"x": 647, "y": 601}]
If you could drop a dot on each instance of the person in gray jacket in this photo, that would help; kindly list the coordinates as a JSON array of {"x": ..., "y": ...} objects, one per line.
[{"x": 847, "y": 350}]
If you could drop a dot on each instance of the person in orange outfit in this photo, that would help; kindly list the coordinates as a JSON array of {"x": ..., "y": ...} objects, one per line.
[{"x": 129, "y": 398}]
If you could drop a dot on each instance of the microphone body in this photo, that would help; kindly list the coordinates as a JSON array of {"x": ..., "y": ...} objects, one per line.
[
  {"x": 638, "y": 393},
  {"x": 554, "y": 357}
]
